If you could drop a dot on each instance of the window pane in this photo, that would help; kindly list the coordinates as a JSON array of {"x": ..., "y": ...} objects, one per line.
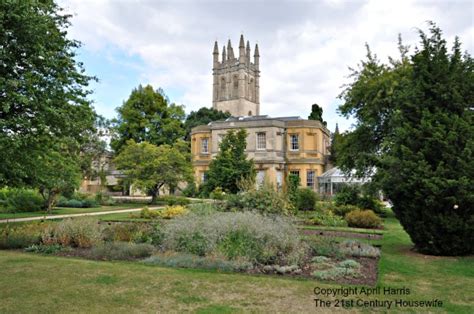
[
  {"x": 261, "y": 141},
  {"x": 205, "y": 145},
  {"x": 294, "y": 145},
  {"x": 310, "y": 178}
]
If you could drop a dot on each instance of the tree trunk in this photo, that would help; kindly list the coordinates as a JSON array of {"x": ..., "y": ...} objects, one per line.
[{"x": 51, "y": 200}]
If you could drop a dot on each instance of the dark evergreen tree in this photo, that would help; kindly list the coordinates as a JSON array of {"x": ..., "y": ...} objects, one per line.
[
  {"x": 415, "y": 125},
  {"x": 336, "y": 138},
  {"x": 202, "y": 117},
  {"x": 230, "y": 165},
  {"x": 317, "y": 114}
]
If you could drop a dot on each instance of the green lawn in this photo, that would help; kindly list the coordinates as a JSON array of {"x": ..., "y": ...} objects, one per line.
[
  {"x": 70, "y": 210},
  {"x": 35, "y": 283}
]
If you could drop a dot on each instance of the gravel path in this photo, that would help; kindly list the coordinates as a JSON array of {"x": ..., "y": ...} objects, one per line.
[{"x": 76, "y": 215}]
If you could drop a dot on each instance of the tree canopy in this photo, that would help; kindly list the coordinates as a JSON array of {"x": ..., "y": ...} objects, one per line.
[
  {"x": 317, "y": 114},
  {"x": 230, "y": 165},
  {"x": 147, "y": 115},
  {"x": 414, "y": 125},
  {"x": 202, "y": 117},
  {"x": 45, "y": 114},
  {"x": 149, "y": 167}
]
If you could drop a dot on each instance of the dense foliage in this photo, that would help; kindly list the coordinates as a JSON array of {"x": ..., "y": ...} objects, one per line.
[
  {"x": 414, "y": 123},
  {"x": 306, "y": 199},
  {"x": 230, "y": 165},
  {"x": 150, "y": 167},
  {"x": 202, "y": 117},
  {"x": 266, "y": 200},
  {"x": 20, "y": 200},
  {"x": 45, "y": 115},
  {"x": 147, "y": 116},
  {"x": 249, "y": 236},
  {"x": 317, "y": 114}
]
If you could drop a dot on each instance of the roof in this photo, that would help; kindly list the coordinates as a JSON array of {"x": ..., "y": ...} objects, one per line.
[{"x": 336, "y": 175}]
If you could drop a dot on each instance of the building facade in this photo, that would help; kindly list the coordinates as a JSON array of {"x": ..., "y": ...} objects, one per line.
[{"x": 278, "y": 146}]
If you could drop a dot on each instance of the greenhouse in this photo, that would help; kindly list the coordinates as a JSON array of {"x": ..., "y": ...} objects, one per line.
[{"x": 332, "y": 180}]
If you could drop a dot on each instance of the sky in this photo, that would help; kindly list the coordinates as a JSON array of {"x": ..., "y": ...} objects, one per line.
[{"x": 306, "y": 47}]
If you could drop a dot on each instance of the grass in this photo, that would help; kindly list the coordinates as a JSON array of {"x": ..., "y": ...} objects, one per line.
[
  {"x": 70, "y": 210},
  {"x": 35, "y": 283}
]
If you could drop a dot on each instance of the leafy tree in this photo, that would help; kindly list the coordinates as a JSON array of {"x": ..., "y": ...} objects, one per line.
[
  {"x": 230, "y": 165},
  {"x": 415, "y": 125},
  {"x": 202, "y": 117},
  {"x": 43, "y": 90},
  {"x": 150, "y": 167},
  {"x": 317, "y": 114},
  {"x": 57, "y": 171},
  {"x": 147, "y": 115}
]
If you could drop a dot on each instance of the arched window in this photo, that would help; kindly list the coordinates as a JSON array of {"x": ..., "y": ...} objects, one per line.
[
  {"x": 235, "y": 89},
  {"x": 250, "y": 113},
  {"x": 246, "y": 92},
  {"x": 223, "y": 87},
  {"x": 251, "y": 90}
]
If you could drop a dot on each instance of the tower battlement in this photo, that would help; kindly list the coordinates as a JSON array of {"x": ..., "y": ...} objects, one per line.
[{"x": 236, "y": 87}]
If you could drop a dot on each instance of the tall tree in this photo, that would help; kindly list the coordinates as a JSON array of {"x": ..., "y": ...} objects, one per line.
[
  {"x": 317, "y": 114},
  {"x": 43, "y": 90},
  {"x": 147, "y": 115},
  {"x": 201, "y": 117},
  {"x": 415, "y": 124},
  {"x": 230, "y": 165},
  {"x": 150, "y": 167},
  {"x": 336, "y": 139}
]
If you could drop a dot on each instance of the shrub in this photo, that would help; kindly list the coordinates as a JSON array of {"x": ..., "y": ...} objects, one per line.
[
  {"x": 77, "y": 202},
  {"x": 104, "y": 199},
  {"x": 368, "y": 202},
  {"x": 348, "y": 263},
  {"x": 172, "y": 212},
  {"x": 153, "y": 234},
  {"x": 146, "y": 213},
  {"x": 266, "y": 199},
  {"x": 292, "y": 183},
  {"x": 334, "y": 273},
  {"x": 358, "y": 249},
  {"x": 217, "y": 194},
  {"x": 348, "y": 195},
  {"x": 190, "y": 190},
  {"x": 246, "y": 235},
  {"x": 363, "y": 219},
  {"x": 205, "y": 208},
  {"x": 121, "y": 251},
  {"x": 22, "y": 200},
  {"x": 327, "y": 219},
  {"x": 172, "y": 200},
  {"x": 322, "y": 246},
  {"x": 306, "y": 199},
  {"x": 80, "y": 232},
  {"x": 360, "y": 196},
  {"x": 193, "y": 261},
  {"x": 124, "y": 232},
  {"x": 21, "y": 236},
  {"x": 342, "y": 210},
  {"x": 45, "y": 249}
]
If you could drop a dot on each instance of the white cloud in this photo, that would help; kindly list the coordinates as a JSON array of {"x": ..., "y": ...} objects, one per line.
[{"x": 305, "y": 47}]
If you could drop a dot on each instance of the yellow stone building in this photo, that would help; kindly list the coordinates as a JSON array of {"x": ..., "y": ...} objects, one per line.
[{"x": 278, "y": 146}]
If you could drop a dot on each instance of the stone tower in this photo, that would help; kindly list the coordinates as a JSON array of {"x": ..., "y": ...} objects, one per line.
[{"x": 236, "y": 86}]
